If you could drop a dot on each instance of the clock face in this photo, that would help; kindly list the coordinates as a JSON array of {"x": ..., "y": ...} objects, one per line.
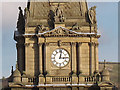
[{"x": 60, "y": 57}]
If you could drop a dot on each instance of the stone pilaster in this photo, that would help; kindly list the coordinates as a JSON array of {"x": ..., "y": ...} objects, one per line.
[
  {"x": 79, "y": 58},
  {"x": 20, "y": 56},
  {"x": 29, "y": 59},
  {"x": 73, "y": 57},
  {"x": 91, "y": 64},
  {"x": 36, "y": 58},
  {"x": 40, "y": 58},
  {"x": 46, "y": 66},
  {"x": 96, "y": 57}
]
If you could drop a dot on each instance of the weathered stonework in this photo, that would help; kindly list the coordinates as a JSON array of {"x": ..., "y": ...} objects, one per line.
[{"x": 67, "y": 26}]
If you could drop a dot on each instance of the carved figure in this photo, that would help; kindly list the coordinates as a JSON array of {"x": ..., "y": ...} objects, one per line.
[
  {"x": 41, "y": 28},
  {"x": 21, "y": 22},
  {"x": 59, "y": 15},
  {"x": 92, "y": 14},
  {"x": 75, "y": 27}
]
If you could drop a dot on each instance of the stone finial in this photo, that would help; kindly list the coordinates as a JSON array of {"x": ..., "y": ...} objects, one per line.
[
  {"x": 17, "y": 65},
  {"x": 104, "y": 64},
  {"x": 105, "y": 73}
]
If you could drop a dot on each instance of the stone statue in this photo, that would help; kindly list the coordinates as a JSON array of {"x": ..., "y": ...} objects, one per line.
[
  {"x": 75, "y": 27},
  {"x": 59, "y": 15},
  {"x": 92, "y": 14},
  {"x": 40, "y": 28},
  {"x": 21, "y": 22}
]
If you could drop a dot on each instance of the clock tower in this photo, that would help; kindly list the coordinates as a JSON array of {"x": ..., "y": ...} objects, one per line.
[{"x": 57, "y": 46}]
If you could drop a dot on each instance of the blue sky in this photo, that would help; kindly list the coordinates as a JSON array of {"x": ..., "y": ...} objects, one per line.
[{"x": 107, "y": 18}]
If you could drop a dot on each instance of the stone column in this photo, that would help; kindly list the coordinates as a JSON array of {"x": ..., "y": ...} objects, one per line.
[
  {"x": 27, "y": 45},
  {"x": 74, "y": 78},
  {"x": 36, "y": 58},
  {"x": 20, "y": 56},
  {"x": 96, "y": 57},
  {"x": 91, "y": 64},
  {"x": 73, "y": 57},
  {"x": 79, "y": 58},
  {"x": 40, "y": 58},
  {"x": 41, "y": 62},
  {"x": 46, "y": 68}
]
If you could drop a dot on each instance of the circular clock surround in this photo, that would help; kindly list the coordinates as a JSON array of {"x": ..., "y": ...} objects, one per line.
[{"x": 60, "y": 57}]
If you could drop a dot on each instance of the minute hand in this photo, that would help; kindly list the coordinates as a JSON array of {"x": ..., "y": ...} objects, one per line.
[{"x": 64, "y": 57}]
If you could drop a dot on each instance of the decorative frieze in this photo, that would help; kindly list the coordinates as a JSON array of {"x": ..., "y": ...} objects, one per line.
[{"x": 53, "y": 44}]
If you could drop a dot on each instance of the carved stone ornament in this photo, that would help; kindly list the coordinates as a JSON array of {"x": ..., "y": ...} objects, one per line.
[
  {"x": 41, "y": 28},
  {"x": 27, "y": 44},
  {"x": 59, "y": 15},
  {"x": 79, "y": 43},
  {"x": 91, "y": 44},
  {"x": 59, "y": 31},
  {"x": 46, "y": 44},
  {"x": 92, "y": 14},
  {"x": 40, "y": 44},
  {"x": 21, "y": 22},
  {"x": 73, "y": 43},
  {"x": 75, "y": 27},
  {"x": 96, "y": 44},
  {"x": 59, "y": 43}
]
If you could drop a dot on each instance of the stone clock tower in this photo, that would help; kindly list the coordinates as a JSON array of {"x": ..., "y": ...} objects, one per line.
[{"x": 57, "y": 46}]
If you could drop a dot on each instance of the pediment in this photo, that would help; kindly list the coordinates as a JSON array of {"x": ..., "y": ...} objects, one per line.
[{"x": 59, "y": 31}]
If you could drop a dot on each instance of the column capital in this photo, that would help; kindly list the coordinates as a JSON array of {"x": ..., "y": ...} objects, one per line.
[
  {"x": 96, "y": 44},
  {"x": 79, "y": 43},
  {"x": 91, "y": 44},
  {"x": 46, "y": 44},
  {"x": 27, "y": 44},
  {"x": 72, "y": 43},
  {"x": 40, "y": 44}
]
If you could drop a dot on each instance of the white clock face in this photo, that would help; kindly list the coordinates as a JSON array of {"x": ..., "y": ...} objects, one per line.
[{"x": 60, "y": 57}]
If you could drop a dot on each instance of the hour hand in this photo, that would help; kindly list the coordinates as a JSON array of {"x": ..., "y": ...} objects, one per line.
[{"x": 60, "y": 56}]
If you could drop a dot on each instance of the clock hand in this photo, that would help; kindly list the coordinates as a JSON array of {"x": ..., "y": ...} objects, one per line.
[
  {"x": 64, "y": 57},
  {"x": 60, "y": 56}
]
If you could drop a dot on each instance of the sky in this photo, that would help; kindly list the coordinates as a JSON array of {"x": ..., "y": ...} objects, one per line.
[{"x": 107, "y": 20}]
